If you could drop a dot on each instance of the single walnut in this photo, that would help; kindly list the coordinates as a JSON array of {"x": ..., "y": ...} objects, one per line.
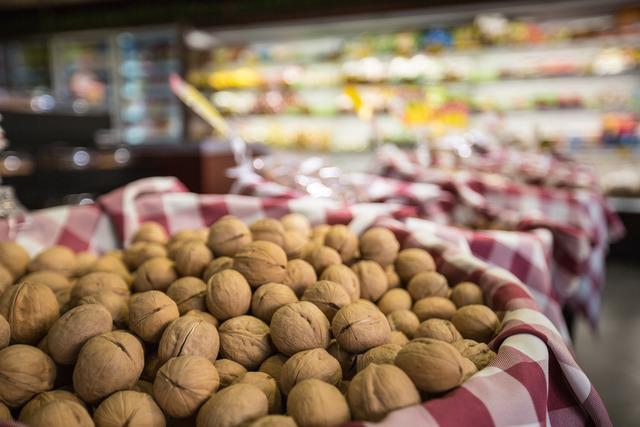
[
  {"x": 41, "y": 399},
  {"x": 261, "y": 262},
  {"x": 315, "y": 363},
  {"x": 5, "y": 333},
  {"x": 95, "y": 282},
  {"x": 434, "y": 366},
  {"x": 372, "y": 279},
  {"x": 273, "y": 365},
  {"x": 192, "y": 258},
  {"x": 14, "y": 258},
  {"x": 84, "y": 262},
  {"x": 393, "y": 300},
  {"x": 111, "y": 264},
  {"x": 227, "y": 236},
  {"x": 56, "y": 258},
  {"x": 24, "y": 372},
  {"x": 236, "y": 405},
  {"x": 204, "y": 316},
  {"x": 404, "y": 321},
  {"x": 140, "y": 252},
  {"x": 479, "y": 353},
  {"x": 299, "y": 326},
  {"x": 107, "y": 363},
  {"x": 438, "y": 329},
  {"x": 188, "y": 335},
  {"x": 348, "y": 361},
  {"x": 155, "y": 274},
  {"x": 314, "y": 402},
  {"x": 299, "y": 275},
  {"x": 343, "y": 240},
  {"x": 345, "y": 277},
  {"x": 152, "y": 232},
  {"x": 296, "y": 222},
  {"x": 183, "y": 384},
  {"x": 428, "y": 284},
  {"x": 30, "y": 309},
  {"x": 359, "y": 327},
  {"x": 398, "y": 338},
  {"x": 466, "y": 293},
  {"x": 61, "y": 413},
  {"x": 328, "y": 296},
  {"x": 149, "y": 314},
  {"x": 274, "y": 421},
  {"x": 129, "y": 408},
  {"x": 380, "y": 245},
  {"x": 476, "y": 322},
  {"x": 215, "y": 266},
  {"x": 294, "y": 244},
  {"x": 381, "y": 354},
  {"x": 74, "y": 328},
  {"x": 270, "y": 297},
  {"x": 116, "y": 305},
  {"x": 245, "y": 339},
  {"x": 59, "y": 284},
  {"x": 189, "y": 293},
  {"x": 322, "y": 257},
  {"x": 392, "y": 277},
  {"x": 379, "y": 389},
  {"x": 269, "y": 387},
  {"x": 413, "y": 261},
  {"x": 229, "y": 371},
  {"x": 434, "y": 307},
  {"x": 268, "y": 229},
  {"x": 228, "y": 295}
]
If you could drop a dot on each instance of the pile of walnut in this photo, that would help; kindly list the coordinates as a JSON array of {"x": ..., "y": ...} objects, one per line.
[{"x": 231, "y": 326}]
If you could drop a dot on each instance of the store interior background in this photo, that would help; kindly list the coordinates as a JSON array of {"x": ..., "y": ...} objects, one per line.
[{"x": 86, "y": 104}]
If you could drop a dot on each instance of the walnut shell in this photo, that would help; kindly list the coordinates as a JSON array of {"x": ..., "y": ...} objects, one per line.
[
  {"x": 274, "y": 421},
  {"x": 273, "y": 365},
  {"x": 150, "y": 313},
  {"x": 404, "y": 321},
  {"x": 359, "y": 327},
  {"x": 261, "y": 262},
  {"x": 380, "y": 245},
  {"x": 344, "y": 276},
  {"x": 381, "y": 354},
  {"x": 428, "y": 284},
  {"x": 392, "y": 277},
  {"x": 245, "y": 339},
  {"x": 229, "y": 371},
  {"x": 269, "y": 387},
  {"x": 296, "y": 222},
  {"x": 227, "y": 236},
  {"x": 204, "y": 316},
  {"x": 476, "y": 322},
  {"x": 56, "y": 258},
  {"x": 228, "y": 295},
  {"x": 5, "y": 333},
  {"x": 299, "y": 275},
  {"x": 188, "y": 335},
  {"x": 95, "y": 282},
  {"x": 466, "y": 293},
  {"x": 328, "y": 296},
  {"x": 14, "y": 258},
  {"x": 434, "y": 366},
  {"x": 140, "y": 252},
  {"x": 116, "y": 305},
  {"x": 270, "y": 297},
  {"x": 189, "y": 293},
  {"x": 479, "y": 353},
  {"x": 348, "y": 361},
  {"x": 41, "y": 399},
  {"x": 215, "y": 266},
  {"x": 299, "y": 326},
  {"x": 372, "y": 279},
  {"x": 309, "y": 403},
  {"x": 152, "y": 232},
  {"x": 268, "y": 229},
  {"x": 111, "y": 264},
  {"x": 155, "y": 274},
  {"x": 294, "y": 244},
  {"x": 315, "y": 363},
  {"x": 61, "y": 413},
  {"x": 183, "y": 384},
  {"x": 322, "y": 257},
  {"x": 107, "y": 363},
  {"x": 129, "y": 408},
  {"x": 393, "y": 300},
  {"x": 30, "y": 309},
  {"x": 379, "y": 389},
  {"x": 413, "y": 261},
  {"x": 343, "y": 240},
  {"x": 84, "y": 262},
  {"x": 58, "y": 283},
  {"x": 438, "y": 329},
  {"x": 192, "y": 258},
  {"x": 74, "y": 328},
  {"x": 24, "y": 372},
  {"x": 434, "y": 307},
  {"x": 399, "y": 338},
  {"x": 236, "y": 405}
]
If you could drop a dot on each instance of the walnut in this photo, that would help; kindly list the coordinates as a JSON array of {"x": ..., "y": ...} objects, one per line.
[
  {"x": 270, "y": 297},
  {"x": 189, "y": 335},
  {"x": 438, "y": 329},
  {"x": 314, "y": 402},
  {"x": 348, "y": 361},
  {"x": 293, "y": 244},
  {"x": 268, "y": 229},
  {"x": 343, "y": 240},
  {"x": 204, "y": 316},
  {"x": 466, "y": 293},
  {"x": 229, "y": 371},
  {"x": 151, "y": 232},
  {"x": 107, "y": 363},
  {"x": 404, "y": 321},
  {"x": 413, "y": 261},
  {"x": 359, "y": 327},
  {"x": 434, "y": 307},
  {"x": 189, "y": 293},
  {"x": 322, "y": 257},
  {"x": 155, "y": 274},
  {"x": 215, "y": 266},
  {"x": 428, "y": 284},
  {"x": 479, "y": 353},
  {"x": 61, "y": 413},
  {"x": 116, "y": 305},
  {"x": 399, "y": 338},
  {"x": 56, "y": 258},
  {"x": 476, "y": 322},
  {"x": 372, "y": 279},
  {"x": 14, "y": 258},
  {"x": 261, "y": 262},
  {"x": 269, "y": 387},
  {"x": 344, "y": 276},
  {"x": 379, "y": 389},
  {"x": 315, "y": 363},
  {"x": 111, "y": 264},
  {"x": 183, "y": 384},
  {"x": 140, "y": 252},
  {"x": 273, "y": 365},
  {"x": 30, "y": 309},
  {"x": 245, "y": 339},
  {"x": 228, "y": 295},
  {"x": 385, "y": 353},
  {"x": 299, "y": 326},
  {"x": 328, "y": 296},
  {"x": 393, "y": 300},
  {"x": 149, "y": 314},
  {"x": 299, "y": 275},
  {"x": 296, "y": 222},
  {"x": 392, "y": 277},
  {"x": 227, "y": 236},
  {"x": 380, "y": 245},
  {"x": 41, "y": 399},
  {"x": 192, "y": 258},
  {"x": 95, "y": 282},
  {"x": 24, "y": 372},
  {"x": 59, "y": 284},
  {"x": 235, "y": 405},
  {"x": 84, "y": 262},
  {"x": 129, "y": 408}
]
